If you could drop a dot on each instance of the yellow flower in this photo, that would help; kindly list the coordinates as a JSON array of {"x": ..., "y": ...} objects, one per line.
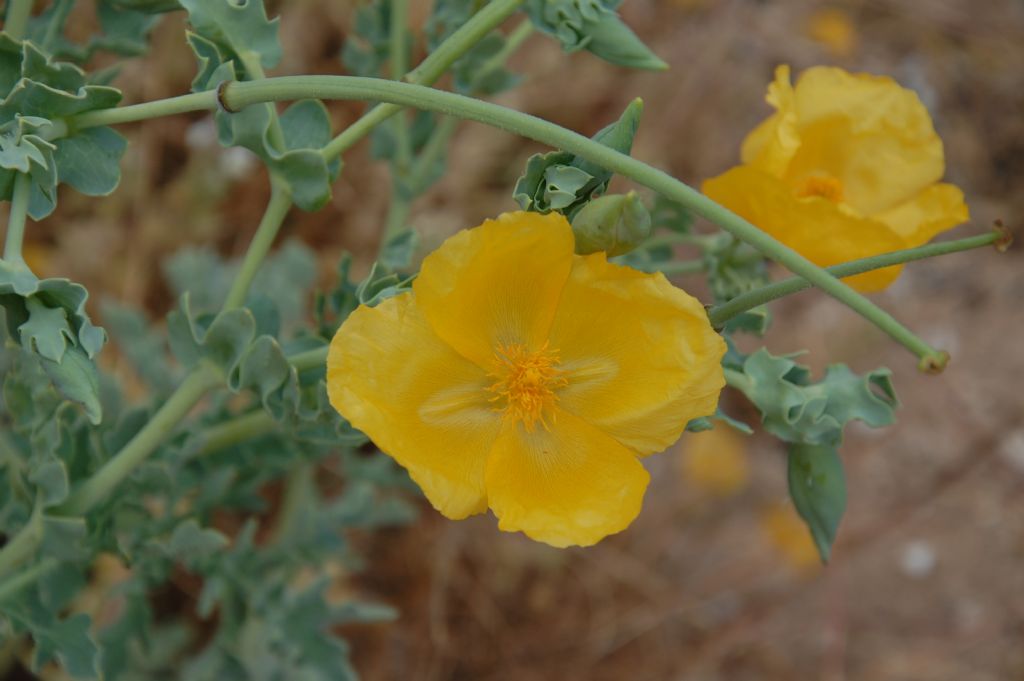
[
  {"x": 847, "y": 167},
  {"x": 521, "y": 377}
]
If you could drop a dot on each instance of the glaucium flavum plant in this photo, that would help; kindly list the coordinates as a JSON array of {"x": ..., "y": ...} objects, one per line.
[{"x": 525, "y": 366}]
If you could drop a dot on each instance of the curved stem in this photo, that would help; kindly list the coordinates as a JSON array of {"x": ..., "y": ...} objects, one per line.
[
  {"x": 102, "y": 483},
  {"x": 273, "y": 217},
  {"x": 429, "y": 70},
  {"x": 720, "y": 314},
  {"x": 19, "y": 215},
  {"x": 310, "y": 359},
  {"x": 240, "y": 95},
  {"x": 16, "y": 21}
]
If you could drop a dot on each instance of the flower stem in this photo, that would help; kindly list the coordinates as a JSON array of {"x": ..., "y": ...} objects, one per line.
[
  {"x": 428, "y": 72},
  {"x": 12, "y": 586},
  {"x": 196, "y": 101},
  {"x": 238, "y": 429},
  {"x": 20, "y": 548},
  {"x": 18, "y": 216},
  {"x": 16, "y": 21},
  {"x": 102, "y": 483},
  {"x": 684, "y": 267},
  {"x": 720, "y": 314},
  {"x": 273, "y": 217},
  {"x": 240, "y": 95},
  {"x": 399, "y": 63}
]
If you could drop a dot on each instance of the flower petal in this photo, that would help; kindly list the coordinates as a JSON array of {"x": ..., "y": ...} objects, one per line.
[
  {"x": 772, "y": 144},
  {"x": 640, "y": 355},
  {"x": 572, "y": 485},
  {"x": 815, "y": 227},
  {"x": 498, "y": 284},
  {"x": 875, "y": 136},
  {"x": 417, "y": 399},
  {"x": 936, "y": 209}
]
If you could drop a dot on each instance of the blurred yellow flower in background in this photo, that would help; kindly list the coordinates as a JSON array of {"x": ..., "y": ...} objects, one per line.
[
  {"x": 847, "y": 167},
  {"x": 716, "y": 461},
  {"x": 519, "y": 376},
  {"x": 833, "y": 28},
  {"x": 788, "y": 534}
]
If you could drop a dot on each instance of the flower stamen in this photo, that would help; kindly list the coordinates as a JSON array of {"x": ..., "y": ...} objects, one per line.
[
  {"x": 825, "y": 186},
  {"x": 525, "y": 383}
]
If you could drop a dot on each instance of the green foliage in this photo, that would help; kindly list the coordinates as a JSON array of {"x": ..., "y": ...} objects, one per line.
[
  {"x": 124, "y": 26},
  {"x": 615, "y": 223},
  {"x": 38, "y": 92},
  {"x": 563, "y": 182},
  {"x": 817, "y": 486},
  {"x": 595, "y": 26},
  {"x": 797, "y": 410},
  {"x": 230, "y": 40},
  {"x": 47, "y": 318}
]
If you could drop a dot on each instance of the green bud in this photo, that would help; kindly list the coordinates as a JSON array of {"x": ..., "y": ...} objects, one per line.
[{"x": 616, "y": 224}]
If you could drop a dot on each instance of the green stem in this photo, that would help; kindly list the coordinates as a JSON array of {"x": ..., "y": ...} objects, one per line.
[
  {"x": 12, "y": 586},
  {"x": 197, "y": 101},
  {"x": 720, "y": 314},
  {"x": 61, "y": 9},
  {"x": 21, "y": 547},
  {"x": 310, "y": 359},
  {"x": 16, "y": 222},
  {"x": 299, "y": 492},
  {"x": 432, "y": 150},
  {"x": 399, "y": 63},
  {"x": 18, "y": 13},
  {"x": 684, "y": 267},
  {"x": 398, "y": 215},
  {"x": 429, "y": 71},
  {"x": 240, "y": 95},
  {"x": 102, "y": 483},
  {"x": 273, "y": 217},
  {"x": 678, "y": 240},
  {"x": 251, "y": 62},
  {"x": 239, "y": 429}
]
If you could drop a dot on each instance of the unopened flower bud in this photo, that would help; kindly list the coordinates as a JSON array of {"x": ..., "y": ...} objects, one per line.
[{"x": 616, "y": 224}]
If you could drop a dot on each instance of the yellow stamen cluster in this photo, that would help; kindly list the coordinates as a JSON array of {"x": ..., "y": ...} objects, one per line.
[
  {"x": 825, "y": 186},
  {"x": 525, "y": 383}
]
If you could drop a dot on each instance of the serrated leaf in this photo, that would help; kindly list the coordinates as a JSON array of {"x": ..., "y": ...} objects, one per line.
[
  {"x": 564, "y": 182},
  {"x": 46, "y": 332},
  {"x": 70, "y": 642},
  {"x": 817, "y": 486},
  {"x": 796, "y": 410},
  {"x": 593, "y": 25},
  {"x": 237, "y": 27},
  {"x": 190, "y": 543}
]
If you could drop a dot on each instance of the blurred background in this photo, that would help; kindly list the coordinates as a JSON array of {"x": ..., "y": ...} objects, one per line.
[{"x": 718, "y": 578}]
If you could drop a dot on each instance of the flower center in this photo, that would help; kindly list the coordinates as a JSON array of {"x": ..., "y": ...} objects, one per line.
[
  {"x": 525, "y": 382},
  {"x": 825, "y": 186}
]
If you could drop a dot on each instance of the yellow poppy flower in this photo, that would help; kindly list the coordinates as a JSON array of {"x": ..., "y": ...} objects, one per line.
[
  {"x": 519, "y": 376},
  {"x": 847, "y": 167}
]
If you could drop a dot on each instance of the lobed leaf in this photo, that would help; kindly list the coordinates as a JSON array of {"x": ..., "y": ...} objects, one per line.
[{"x": 817, "y": 486}]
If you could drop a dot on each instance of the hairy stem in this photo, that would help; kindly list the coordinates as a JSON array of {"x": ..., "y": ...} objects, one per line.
[
  {"x": 240, "y": 95},
  {"x": 102, "y": 483},
  {"x": 720, "y": 314},
  {"x": 277, "y": 208},
  {"x": 429, "y": 70},
  {"x": 18, "y": 217}
]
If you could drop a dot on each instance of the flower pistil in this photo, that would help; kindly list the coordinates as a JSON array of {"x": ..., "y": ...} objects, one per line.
[{"x": 525, "y": 383}]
